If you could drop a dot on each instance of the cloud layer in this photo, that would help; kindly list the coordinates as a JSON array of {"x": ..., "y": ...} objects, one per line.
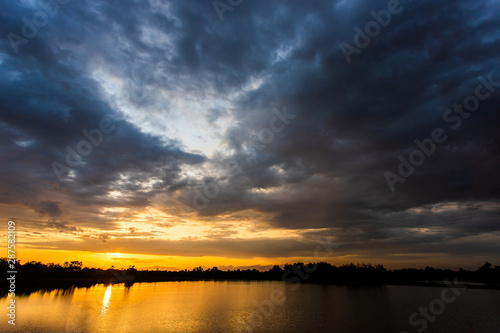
[{"x": 251, "y": 125}]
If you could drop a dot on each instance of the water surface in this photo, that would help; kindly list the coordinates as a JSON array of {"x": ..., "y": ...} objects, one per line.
[{"x": 242, "y": 306}]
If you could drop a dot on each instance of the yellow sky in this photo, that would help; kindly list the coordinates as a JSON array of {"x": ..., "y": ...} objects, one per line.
[
  {"x": 153, "y": 238},
  {"x": 124, "y": 260}
]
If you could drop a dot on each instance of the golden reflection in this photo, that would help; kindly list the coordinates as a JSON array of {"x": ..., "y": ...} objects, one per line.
[
  {"x": 199, "y": 306},
  {"x": 105, "y": 300}
]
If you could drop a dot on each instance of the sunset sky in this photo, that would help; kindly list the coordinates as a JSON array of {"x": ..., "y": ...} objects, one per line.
[{"x": 247, "y": 141}]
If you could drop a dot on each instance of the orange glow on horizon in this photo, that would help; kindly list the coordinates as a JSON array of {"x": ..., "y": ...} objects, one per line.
[{"x": 123, "y": 260}]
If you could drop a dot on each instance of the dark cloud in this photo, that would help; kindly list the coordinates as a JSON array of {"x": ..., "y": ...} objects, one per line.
[
  {"x": 131, "y": 62},
  {"x": 48, "y": 208}
]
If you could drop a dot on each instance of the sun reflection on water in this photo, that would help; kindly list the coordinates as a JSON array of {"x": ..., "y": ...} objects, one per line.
[{"x": 105, "y": 300}]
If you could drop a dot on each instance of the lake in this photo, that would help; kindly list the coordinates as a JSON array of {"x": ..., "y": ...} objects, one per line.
[{"x": 247, "y": 306}]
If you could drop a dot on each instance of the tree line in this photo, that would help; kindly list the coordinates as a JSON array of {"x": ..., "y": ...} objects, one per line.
[{"x": 34, "y": 275}]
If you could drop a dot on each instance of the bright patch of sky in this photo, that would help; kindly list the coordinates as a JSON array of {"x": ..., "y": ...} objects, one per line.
[{"x": 171, "y": 115}]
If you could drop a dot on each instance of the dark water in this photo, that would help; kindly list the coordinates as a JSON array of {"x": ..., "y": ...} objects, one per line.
[{"x": 255, "y": 307}]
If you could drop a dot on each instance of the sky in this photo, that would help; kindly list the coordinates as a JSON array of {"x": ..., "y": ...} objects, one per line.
[{"x": 175, "y": 134}]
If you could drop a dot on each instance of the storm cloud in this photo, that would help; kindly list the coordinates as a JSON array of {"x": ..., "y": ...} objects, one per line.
[{"x": 257, "y": 119}]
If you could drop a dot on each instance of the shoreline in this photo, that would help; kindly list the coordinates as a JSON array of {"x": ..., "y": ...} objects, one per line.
[{"x": 48, "y": 285}]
